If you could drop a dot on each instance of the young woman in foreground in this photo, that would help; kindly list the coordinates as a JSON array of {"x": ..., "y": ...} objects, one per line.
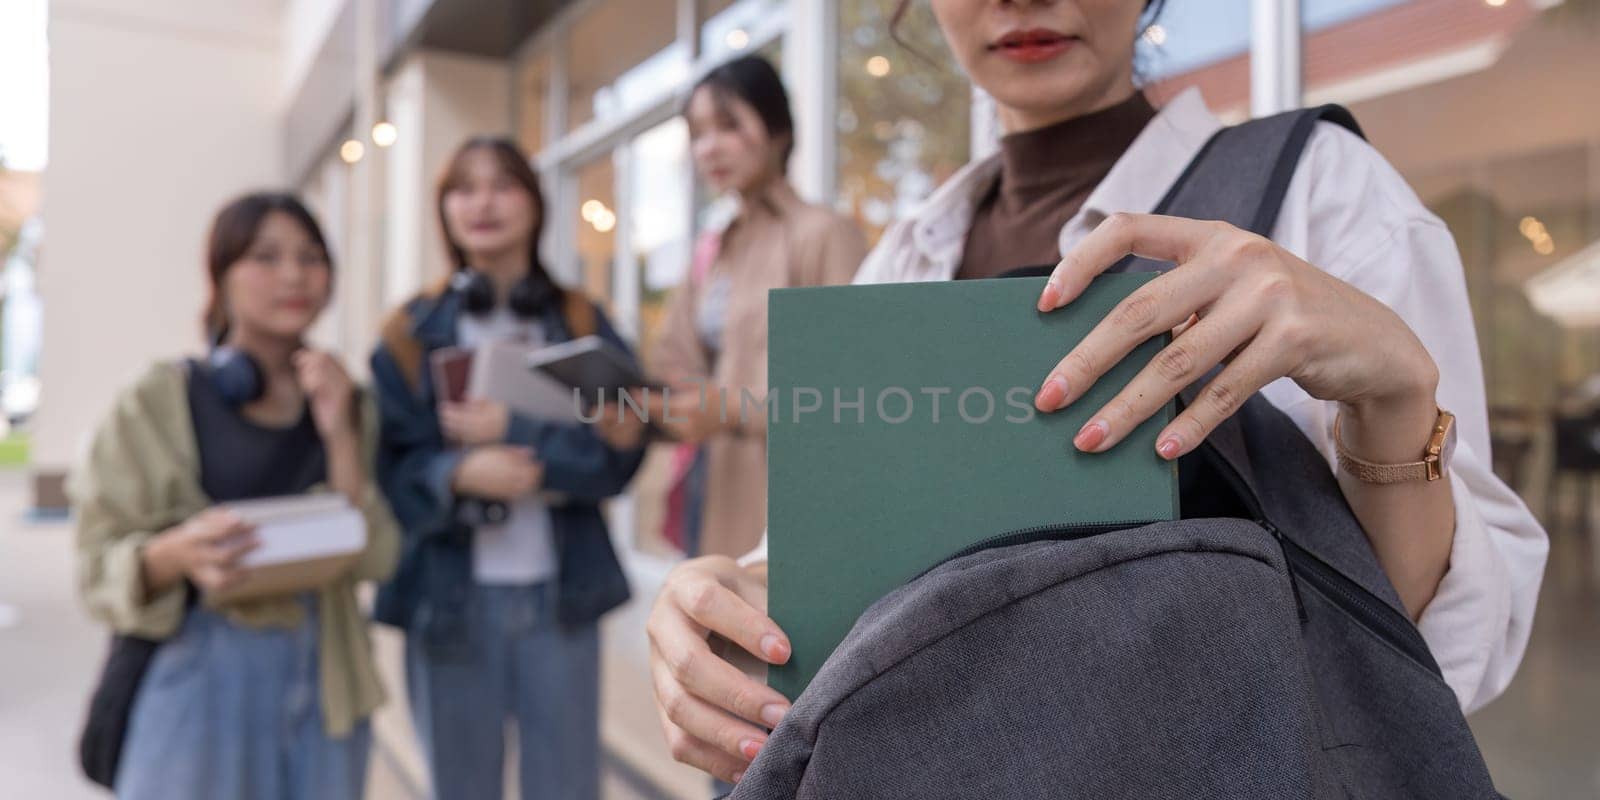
[{"x": 1354, "y": 311}]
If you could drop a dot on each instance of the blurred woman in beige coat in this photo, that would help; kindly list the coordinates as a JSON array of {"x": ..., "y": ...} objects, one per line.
[{"x": 715, "y": 332}]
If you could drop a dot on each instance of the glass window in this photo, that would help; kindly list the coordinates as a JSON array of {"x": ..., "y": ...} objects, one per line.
[
  {"x": 533, "y": 92},
  {"x": 596, "y": 219},
  {"x": 888, "y": 158},
  {"x": 1203, "y": 45},
  {"x": 622, "y": 55},
  {"x": 658, "y": 218},
  {"x": 727, "y": 25},
  {"x": 1493, "y": 147}
]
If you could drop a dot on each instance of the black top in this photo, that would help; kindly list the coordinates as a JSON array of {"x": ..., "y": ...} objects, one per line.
[{"x": 241, "y": 460}]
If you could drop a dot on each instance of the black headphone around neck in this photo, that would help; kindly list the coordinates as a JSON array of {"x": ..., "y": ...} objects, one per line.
[
  {"x": 528, "y": 296},
  {"x": 235, "y": 375}
]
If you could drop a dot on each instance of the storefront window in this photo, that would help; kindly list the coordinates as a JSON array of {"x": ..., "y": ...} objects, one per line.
[
  {"x": 1198, "y": 45},
  {"x": 533, "y": 92},
  {"x": 728, "y": 26},
  {"x": 1495, "y": 148},
  {"x": 620, "y": 56},
  {"x": 902, "y": 121},
  {"x": 658, "y": 218},
  {"x": 596, "y": 220}
]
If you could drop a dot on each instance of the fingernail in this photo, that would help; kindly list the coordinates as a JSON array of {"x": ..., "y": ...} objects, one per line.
[
  {"x": 773, "y": 714},
  {"x": 1091, "y": 435},
  {"x": 1050, "y": 295},
  {"x": 1169, "y": 447},
  {"x": 1052, "y": 394},
  {"x": 750, "y": 748},
  {"x": 738, "y": 776},
  {"x": 775, "y": 648}
]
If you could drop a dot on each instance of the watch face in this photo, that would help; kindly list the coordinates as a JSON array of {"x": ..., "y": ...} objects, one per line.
[{"x": 1448, "y": 451}]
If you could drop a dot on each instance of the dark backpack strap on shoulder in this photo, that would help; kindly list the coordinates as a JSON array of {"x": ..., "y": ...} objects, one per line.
[{"x": 1241, "y": 174}]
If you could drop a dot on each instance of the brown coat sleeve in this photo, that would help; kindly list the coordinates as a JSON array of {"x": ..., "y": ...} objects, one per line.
[
  {"x": 678, "y": 353},
  {"x": 834, "y": 253}
]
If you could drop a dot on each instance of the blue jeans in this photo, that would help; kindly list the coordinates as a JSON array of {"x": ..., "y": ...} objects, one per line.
[
  {"x": 229, "y": 711},
  {"x": 521, "y": 667}
]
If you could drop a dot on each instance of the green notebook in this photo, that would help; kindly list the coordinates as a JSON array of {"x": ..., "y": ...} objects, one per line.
[{"x": 868, "y": 488}]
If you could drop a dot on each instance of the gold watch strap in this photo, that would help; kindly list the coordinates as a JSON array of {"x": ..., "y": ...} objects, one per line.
[{"x": 1368, "y": 472}]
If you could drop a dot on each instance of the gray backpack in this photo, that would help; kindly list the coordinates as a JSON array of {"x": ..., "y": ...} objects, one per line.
[{"x": 1253, "y": 649}]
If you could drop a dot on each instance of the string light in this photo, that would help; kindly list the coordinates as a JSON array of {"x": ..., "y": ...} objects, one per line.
[
  {"x": 351, "y": 151},
  {"x": 384, "y": 133},
  {"x": 878, "y": 66},
  {"x": 1538, "y": 235}
]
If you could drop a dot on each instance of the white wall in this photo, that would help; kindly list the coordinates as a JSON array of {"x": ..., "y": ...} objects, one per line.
[
  {"x": 159, "y": 112},
  {"x": 305, "y": 25}
]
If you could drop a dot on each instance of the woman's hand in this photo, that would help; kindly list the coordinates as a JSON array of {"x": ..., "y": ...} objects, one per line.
[
  {"x": 1248, "y": 303},
  {"x": 475, "y": 422},
  {"x": 691, "y": 412},
  {"x": 497, "y": 472},
  {"x": 206, "y": 547},
  {"x": 619, "y": 426},
  {"x": 710, "y": 710},
  {"x": 329, "y": 390}
]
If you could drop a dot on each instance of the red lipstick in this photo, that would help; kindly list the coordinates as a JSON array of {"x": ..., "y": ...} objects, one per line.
[{"x": 1032, "y": 46}]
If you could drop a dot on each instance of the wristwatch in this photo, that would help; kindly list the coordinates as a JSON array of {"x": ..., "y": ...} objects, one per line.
[{"x": 1435, "y": 457}]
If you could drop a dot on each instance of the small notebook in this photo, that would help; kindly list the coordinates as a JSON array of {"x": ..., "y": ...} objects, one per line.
[
  {"x": 593, "y": 367},
  {"x": 452, "y": 369},
  {"x": 500, "y": 372},
  {"x": 901, "y": 432},
  {"x": 306, "y": 541}
]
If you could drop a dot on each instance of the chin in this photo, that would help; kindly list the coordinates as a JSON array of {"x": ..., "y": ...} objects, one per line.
[
  {"x": 292, "y": 327},
  {"x": 483, "y": 244}
]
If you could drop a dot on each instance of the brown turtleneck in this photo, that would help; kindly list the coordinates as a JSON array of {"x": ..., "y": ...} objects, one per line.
[{"x": 1045, "y": 175}]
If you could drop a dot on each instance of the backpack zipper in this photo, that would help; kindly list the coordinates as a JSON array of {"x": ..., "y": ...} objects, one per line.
[
  {"x": 1040, "y": 533},
  {"x": 1378, "y": 616},
  {"x": 1373, "y": 613}
]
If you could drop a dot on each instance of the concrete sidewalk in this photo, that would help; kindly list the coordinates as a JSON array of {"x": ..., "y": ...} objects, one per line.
[
  {"x": 51, "y": 653},
  {"x": 50, "y": 656}
]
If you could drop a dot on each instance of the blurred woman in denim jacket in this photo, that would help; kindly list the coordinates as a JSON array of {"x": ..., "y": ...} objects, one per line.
[{"x": 507, "y": 563}]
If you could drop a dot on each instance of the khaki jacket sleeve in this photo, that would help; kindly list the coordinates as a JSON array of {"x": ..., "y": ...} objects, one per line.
[
  {"x": 382, "y": 553},
  {"x": 383, "y": 533},
  {"x": 134, "y": 482}
]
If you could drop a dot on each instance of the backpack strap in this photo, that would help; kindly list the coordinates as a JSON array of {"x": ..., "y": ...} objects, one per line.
[
  {"x": 1241, "y": 176},
  {"x": 1229, "y": 180},
  {"x": 578, "y": 314}
]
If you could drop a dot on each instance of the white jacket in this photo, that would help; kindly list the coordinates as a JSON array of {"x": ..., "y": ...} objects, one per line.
[{"x": 1351, "y": 214}]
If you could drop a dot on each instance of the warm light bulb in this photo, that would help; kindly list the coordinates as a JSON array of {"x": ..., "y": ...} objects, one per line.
[
  {"x": 737, "y": 39},
  {"x": 591, "y": 210},
  {"x": 877, "y": 66},
  {"x": 384, "y": 134},
  {"x": 604, "y": 222},
  {"x": 1494, "y": 3},
  {"x": 1544, "y": 246},
  {"x": 351, "y": 151},
  {"x": 1156, "y": 35},
  {"x": 1530, "y": 227}
]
